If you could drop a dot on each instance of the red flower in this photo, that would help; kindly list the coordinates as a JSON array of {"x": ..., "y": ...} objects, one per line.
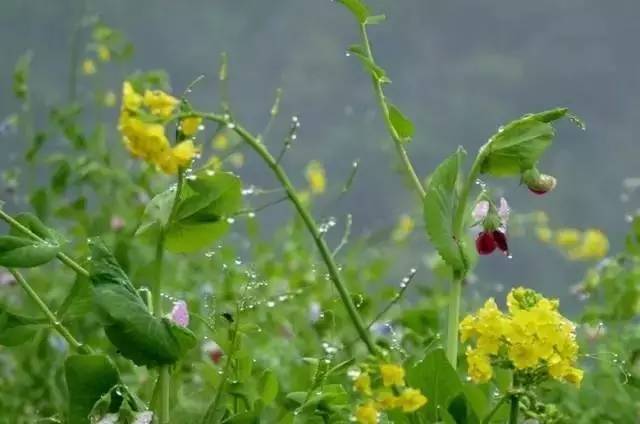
[{"x": 488, "y": 241}]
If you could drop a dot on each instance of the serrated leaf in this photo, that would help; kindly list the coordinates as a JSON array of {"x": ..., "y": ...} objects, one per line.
[
  {"x": 138, "y": 335},
  {"x": 18, "y": 252},
  {"x": 358, "y": 8},
  {"x": 440, "y": 205},
  {"x": 375, "y": 70},
  {"x": 88, "y": 378},
  {"x": 401, "y": 124},
  {"x": 519, "y": 145}
]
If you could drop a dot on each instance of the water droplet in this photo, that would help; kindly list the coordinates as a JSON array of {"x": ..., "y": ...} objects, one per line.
[{"x": 230, "y": 220}]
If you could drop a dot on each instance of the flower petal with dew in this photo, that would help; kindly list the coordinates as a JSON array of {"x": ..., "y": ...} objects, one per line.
[
  {"x": 190, "y": 126},
  {"x": 392, "y": 375},
  {"x": 180, "y": 313},
  {"x": 411, "y": 400},
  {"x": 367, "y": 414}
]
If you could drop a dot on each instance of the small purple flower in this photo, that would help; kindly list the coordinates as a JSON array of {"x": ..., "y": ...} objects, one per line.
[
  {"x": 117, "y": 223},
  {"x": 6, "y": 279},
  {"x": 180, "y": 313},
  {"x": 480, "y": 211}
]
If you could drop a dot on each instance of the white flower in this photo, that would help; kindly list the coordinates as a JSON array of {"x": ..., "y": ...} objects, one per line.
[
  {"x": 480, "y": 211},
  {"x": 143, "y": 417}
]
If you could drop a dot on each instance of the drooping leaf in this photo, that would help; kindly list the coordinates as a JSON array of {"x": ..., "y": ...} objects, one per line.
[
  {"x": 519, "y": 145},
  {"x": 18, "y": 252},
  {"x": 401, "y": 124},
  {"x": 138, "y": 335},
  {"x": 17, "y": 329},
  {"x": 440, "y": 205},
  {"x": 358, "y": 8},
  {"x": 89, "y": 377},
  {"x": 374, "y": 69}
]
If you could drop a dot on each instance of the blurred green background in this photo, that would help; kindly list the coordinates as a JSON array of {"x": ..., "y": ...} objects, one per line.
[{"x": 459, "y": 70}]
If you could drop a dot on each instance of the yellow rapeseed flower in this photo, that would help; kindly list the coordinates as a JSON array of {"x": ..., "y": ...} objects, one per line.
[
  {"x": 392, "y": 375},
  {"x": 104, "y": 54},
  {"x": 479, "y": 366},
  {"x": 595, "y": 245},
  {"x": 160, "y": 103},
  {"x": 544, "y": 234},
  {"x": 567, "y": 237},
  {"x": 404, "y": 227},
  {"x": 367, "y": 414},
  {"x": 411, "y": 400},
  {"x": 88, "y": 67},
  {"x": 363, "y": 383},
  {"x": 220, "y": 142},
  {"x": 190, "y": 126},
  {"x": 131, "y": 100},
  {"x": 387, "y": 400},
  {"x": 316, "y": 177}
]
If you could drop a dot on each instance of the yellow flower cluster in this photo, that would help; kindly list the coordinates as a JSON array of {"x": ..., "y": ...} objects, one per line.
[
  {"x": 385, "y": 398},
  {"x": 533, "y": 337},
  {"x": 147, "y": 140},
  {"x": 578, "y": 245}
]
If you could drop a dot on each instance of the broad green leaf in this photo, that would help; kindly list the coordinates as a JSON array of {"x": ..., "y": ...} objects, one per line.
[
  {"x": 401, "y": 124},
  {"x": 440, "y": 383},
  {"x": 519, "y": 145},
  {"x": 358, "y": 8},
  {"x": 37, "y": 227},
  {"x": 268, "y": 387},
  {"x": 138, "y": 335},
  {"x": 17, "y": 329},
  {"x": 79, "y": 301},
  {"x": 440, "y": 205},
  {"x": 156, "y": 214},
  {"x": 375, "y": 70},
  {"x": 89, "y": 377},
  {"x": 18, "y": 252}
]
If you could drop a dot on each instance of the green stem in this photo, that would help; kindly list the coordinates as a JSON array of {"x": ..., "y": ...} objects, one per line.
[
  {"x": 309, "y": 222},
  {"x": 398, "y": 142},
  {"x": 513, "y": 412},
  {"x": 495, "y": 409},
  {"x": 164, "y": 377},
  {"x": 453, "y": 321},
  {"x": 61, "y": 256},
  {"x": 53, "y": 320}
]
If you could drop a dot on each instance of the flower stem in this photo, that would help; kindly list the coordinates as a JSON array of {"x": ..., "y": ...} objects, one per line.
[
  {"x": 513, "y": 412},
  {"x": 61, "y": 256},
  {"x": 397, "y": 140},
  {"x": 503, "y": 399},
  {"x": 309, "y": 222},
  {"x": 53, "y": 320},
  {"x": 453, "y": 320},
  {"x": 163, "y": 411}
]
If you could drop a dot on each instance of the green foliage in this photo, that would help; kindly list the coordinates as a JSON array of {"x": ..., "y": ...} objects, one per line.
[
  {"x": 17, "y": 329},
  {"x": 401, "y": 124},
  {"x": 138, "y": 335},
  {"x": 358, "y": 8}
]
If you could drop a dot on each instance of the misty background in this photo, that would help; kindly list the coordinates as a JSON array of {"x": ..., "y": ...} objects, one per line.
[{"x": 459, "y": 70}]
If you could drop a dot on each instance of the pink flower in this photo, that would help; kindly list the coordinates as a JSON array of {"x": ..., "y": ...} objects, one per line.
[
  {"x": 180, "y": 313},
  {"x": 117, "y": 223},
  {"x": 213, "y": 351},
  {"x": 6, "y": 279},
  {"x": 480, "y": 211}
]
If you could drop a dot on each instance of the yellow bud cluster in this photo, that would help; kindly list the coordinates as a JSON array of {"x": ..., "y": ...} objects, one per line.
[
  {"x": 578, "y": 245},
  {"x": 316, "y": 177},
  {"x": 389, "y": 393},
  {"x": 532, "y": 337},
  {"x": 147, "y": 140}
]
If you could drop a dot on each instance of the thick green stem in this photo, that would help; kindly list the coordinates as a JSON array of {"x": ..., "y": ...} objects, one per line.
[
  {"x": 397, "y": 140},
  {"x": 53, "y": 320},
  {"x": 453, "y": 320},
  {"x": 513, "y": 412},
  {"x": 309, "y": 222},
  {"x": 61, "y": 256}
]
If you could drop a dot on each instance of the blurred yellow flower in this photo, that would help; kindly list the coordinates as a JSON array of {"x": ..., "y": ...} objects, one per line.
[
  {"x": 131, "y": 100},
  {"x": 404, "y": 227},
  {"x": 594, "y": 245},
  {"x": 544, "y": 234},
  {"x": 411, "y": 400},
  {"x": 367, "y": 414},
  {"x": 236, "y": 159},
  {"x": 566, "y": 237},
  {"x": 316, "y": 177},
  {"x": 190, "y": 126},
  {"x": 392, "y": 375},
  {"x": 88, "y": 67},
  {"x": 160, "y": 103},
  {"x": 478, "y": 366},
  {"x": 363, "y": 383},
  {"x": 109, "y": 99},
  {"x": 104, "y": 54},
  {"x": 386, "y": 401},
  {"x": 220, "y": 142}
]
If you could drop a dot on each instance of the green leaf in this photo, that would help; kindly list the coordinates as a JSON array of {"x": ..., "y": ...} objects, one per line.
[
  {"x": 375, "y": 70},
  {"x": 138, "y": 335},
  {"x": 37, "y": 227},
  {"x": 358, "y": 8},
  {"x": 268, "y": 387},
  {"x": 21, "y": 76},
  {"x": 519, "y": 145},
  {"x": 17, "y": 329},
  {"x": 401, "y": 124},
  {"x": 440, "y": 205},
  {"x": 18, "y": 252},
  {"x": 89, "y": 377},
  {"x": 156, "y": 215},
  {"x": 440, "y": 383}
]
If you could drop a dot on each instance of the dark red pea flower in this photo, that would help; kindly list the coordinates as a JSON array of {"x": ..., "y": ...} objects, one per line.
[
  {"x": 501, "y": 241},
  {"x": 213, "y": 351},
  {"x": 485, "y": 243}
]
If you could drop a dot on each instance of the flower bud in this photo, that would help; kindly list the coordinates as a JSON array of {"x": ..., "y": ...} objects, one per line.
[
  {"x": 485, "y": 243},
  {"x": 537, "y": 182},
  {"x": 213, "y": 351},
  {"x": 500, "y": 239}
]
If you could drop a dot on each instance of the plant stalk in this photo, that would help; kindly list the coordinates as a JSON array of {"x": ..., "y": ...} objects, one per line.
[
  {"x": 513, "y": 411},
  {"x": 453, "y": 321},
  {"x": 53, "y": 320}
]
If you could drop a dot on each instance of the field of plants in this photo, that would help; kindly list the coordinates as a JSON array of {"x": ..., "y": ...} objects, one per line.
[{"x": 140, "y": 284}]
